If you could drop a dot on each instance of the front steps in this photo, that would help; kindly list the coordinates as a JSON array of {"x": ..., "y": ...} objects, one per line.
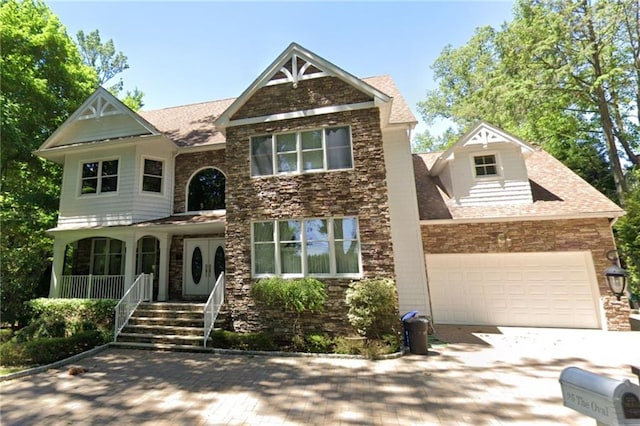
[{"x": 169, "y": 326}]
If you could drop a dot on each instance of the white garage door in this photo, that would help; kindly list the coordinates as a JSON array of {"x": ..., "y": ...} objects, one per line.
[{"x": 514, "y": 289}]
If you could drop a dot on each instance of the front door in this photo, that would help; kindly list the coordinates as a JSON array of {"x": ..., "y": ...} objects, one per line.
[{"x": 204, "y": 262}]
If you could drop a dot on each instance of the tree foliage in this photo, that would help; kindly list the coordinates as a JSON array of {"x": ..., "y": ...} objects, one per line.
[
  {"x": 108, "y": 63},
  {"x": 43, "y": 81}
]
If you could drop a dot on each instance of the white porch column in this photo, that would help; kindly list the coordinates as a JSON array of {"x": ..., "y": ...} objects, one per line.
[
  {"x": 163, "y": 268},
  {"x": 59, "y": 246},
  {"x": 130, "y": 260}
]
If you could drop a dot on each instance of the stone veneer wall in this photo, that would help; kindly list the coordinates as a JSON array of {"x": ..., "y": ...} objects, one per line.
[
  {"x": 186, "y": 165},
  {"x": 313, "y": 93},
  {"x": 360, "y": 192},
  {"x": 535, "y": 236}
]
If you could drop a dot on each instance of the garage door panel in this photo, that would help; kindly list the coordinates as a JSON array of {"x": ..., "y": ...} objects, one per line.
[{"x": 518, "y": 289}]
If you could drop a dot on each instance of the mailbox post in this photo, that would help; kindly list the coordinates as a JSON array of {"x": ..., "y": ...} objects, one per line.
[{"x": 609, "y": 401}]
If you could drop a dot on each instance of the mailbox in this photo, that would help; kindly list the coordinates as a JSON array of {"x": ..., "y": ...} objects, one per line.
[{"x": 609, "y": 401}]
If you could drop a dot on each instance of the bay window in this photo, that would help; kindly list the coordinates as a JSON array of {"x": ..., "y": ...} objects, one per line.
[
  {"x": 301, "y": 152},
  {"x": 306, "y": 247}
]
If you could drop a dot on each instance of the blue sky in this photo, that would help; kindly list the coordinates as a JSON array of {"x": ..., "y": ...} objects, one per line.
[{"x": 188, "y": 52}]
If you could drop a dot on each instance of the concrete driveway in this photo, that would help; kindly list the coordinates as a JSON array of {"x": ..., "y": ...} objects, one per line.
[{"x": 481, "y": 376}]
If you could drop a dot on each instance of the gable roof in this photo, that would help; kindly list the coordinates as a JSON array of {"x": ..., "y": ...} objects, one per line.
[
  {"x": 190, "y": 126},
  {"x": 285, "y": 69},
  {"x": 557, "y": 192},
  {"x": 482, "y": 133},
  {"x": 106, "y": 108}
]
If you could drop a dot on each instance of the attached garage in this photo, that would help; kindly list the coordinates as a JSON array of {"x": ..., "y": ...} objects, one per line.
[{"x": 542, "y": 289}]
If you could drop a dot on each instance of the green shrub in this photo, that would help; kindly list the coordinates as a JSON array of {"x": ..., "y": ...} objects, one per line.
[
  {"x": 291, "y": 295},
  {"x": 373, "y": 307},
  {"x": 296, "y": 295},
  {"x": 318, "y": 343},
  {"x": 12, "y": 354},
  {"x": 349, "y": 346},
  {"x": 5, "y": 334},
  {"x": 47, "y": 350},
  {"x": 99, "y": 312}
]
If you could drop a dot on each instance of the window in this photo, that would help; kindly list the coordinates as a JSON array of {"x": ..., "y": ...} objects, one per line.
[
  {"x": 306, "y": 247},
  {"x": 206, "y": 191},
  {"x": 107, "y": 256},
  {"x": 152, "y": 176},
  {"x": 99, "y": 177},
  {"x": 300, "y": 152},
  {"x": 485, "y": 165},
  {"x": 147, "y": 255}
]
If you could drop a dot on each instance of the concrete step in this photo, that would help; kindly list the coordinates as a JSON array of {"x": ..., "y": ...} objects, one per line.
[
  {"x": 162, "y": 330},
  {"x": 166, "y": 339},
  {"x": 169, "y": 322},
  {"x": 160, "y": 347},
  {"x": 170, "y": 314},
  {"x": 178, "y": 306}
]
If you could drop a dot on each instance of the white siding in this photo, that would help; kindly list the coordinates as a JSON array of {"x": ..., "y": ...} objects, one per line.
[
  {"x": 510, "y": 187},
  {"x": 107, "y": 127},
  {"x": 410, "y": 272},
  {"x": 148, "y": 206},
  {"x": 126, "y": 206}
]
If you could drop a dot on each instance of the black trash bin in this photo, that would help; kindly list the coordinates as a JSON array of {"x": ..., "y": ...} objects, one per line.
[
  {"x": 418, "y": 330},
  {"x": 404, "y": 319}
]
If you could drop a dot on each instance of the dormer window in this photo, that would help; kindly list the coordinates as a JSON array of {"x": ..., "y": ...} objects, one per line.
[
  {"x": 485, "y": 165},
  {"x": 99, "y": 177}
]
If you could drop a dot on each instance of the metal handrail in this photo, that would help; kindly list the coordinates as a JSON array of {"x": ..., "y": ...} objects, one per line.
[
  {"x": 131, "y": 299},
  {"x": 212, "y": 307}
]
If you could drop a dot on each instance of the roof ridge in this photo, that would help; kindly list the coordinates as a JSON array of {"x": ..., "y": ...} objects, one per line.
[{"x": 187, "y": 105}]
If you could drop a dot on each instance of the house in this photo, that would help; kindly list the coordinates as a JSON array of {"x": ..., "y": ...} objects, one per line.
[{"x": 309, "y": 173}]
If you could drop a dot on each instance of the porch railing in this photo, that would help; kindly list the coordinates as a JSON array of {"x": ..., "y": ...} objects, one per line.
[
  {"x": 92, "y": 286},
  {"x": 212, "y": 307},
  {"x": 141, "y": 289}
]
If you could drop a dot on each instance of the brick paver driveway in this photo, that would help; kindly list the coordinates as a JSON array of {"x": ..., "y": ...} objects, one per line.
[{"x": 482, "y": 376}]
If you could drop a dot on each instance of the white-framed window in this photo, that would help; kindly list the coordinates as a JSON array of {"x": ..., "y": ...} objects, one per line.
[
  {"x": 147, "y": 255},
  {"x": 152, "y": 175},
  {"x": 107, "y": 256},
  {"x": 302, "y": 151},
  {"x": 99, "y": 177},
  {"x": 306, "y": 247},
  {"x": 485, "y": 165}
]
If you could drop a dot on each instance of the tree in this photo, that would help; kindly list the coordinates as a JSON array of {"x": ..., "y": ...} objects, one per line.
[
  {"x": 43, "y": 81},
  {"x": 562, "y": 73},
  {"x": 108, "y": 63}
]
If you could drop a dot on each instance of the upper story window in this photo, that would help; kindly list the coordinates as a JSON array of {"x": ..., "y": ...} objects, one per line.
[
  {"x": 306, "y": 247},
  {"x": 152, "y": 176},
  {"x": 99, "y": 177},
  {"x": 485, "y": 165},
  {"x": 301, "y": 152},
  {"x": 206, "y": 191}
]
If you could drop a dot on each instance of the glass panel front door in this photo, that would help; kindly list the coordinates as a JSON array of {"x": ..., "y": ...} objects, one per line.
[{"x": 203, "y": 262}]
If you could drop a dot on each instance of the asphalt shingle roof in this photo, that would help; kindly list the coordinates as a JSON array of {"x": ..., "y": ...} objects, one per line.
[
  {"x": 192, "y": 125},
  {"x": 557, "y": 191}
]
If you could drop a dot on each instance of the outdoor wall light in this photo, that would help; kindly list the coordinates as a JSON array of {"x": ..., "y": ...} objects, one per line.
[{"x": 616, "y": 276}]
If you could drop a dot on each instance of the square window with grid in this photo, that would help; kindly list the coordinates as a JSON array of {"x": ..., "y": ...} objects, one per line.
[{"x": 485, "y": 165}]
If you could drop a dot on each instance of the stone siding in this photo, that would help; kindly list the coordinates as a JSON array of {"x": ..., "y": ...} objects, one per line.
[
  {"x": 593, "y": 235},
  {"x": 312, "y": 93},
  {"x": 186, "y": 166},
  {"x": 360, "y": 192}
]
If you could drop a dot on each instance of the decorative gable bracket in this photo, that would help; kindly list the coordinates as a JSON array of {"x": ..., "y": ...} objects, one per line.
[
  {"x": 99, "y": 107},
  {"x": 296, "y": 69}
]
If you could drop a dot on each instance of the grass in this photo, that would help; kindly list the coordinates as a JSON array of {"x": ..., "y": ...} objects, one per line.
[{"x": 8, "y": 370}]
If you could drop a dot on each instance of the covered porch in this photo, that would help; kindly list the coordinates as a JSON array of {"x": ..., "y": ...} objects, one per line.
[{"x": 103, "y": 262}]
